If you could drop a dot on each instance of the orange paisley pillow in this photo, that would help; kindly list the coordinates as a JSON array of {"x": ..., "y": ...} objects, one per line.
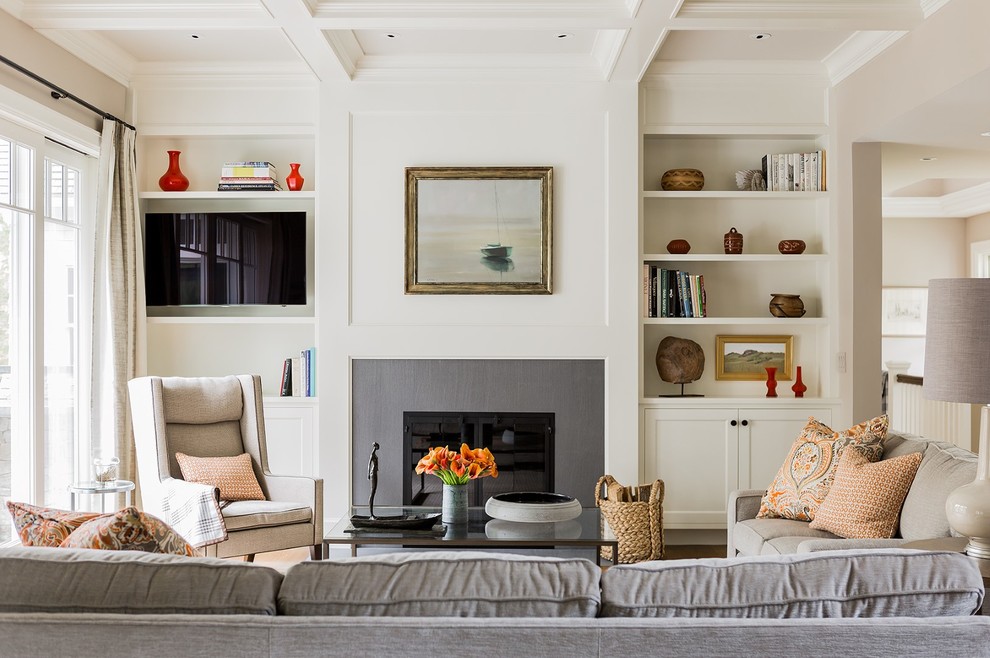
[
  {"x": 45, "y": 526},
  {"x": 806, "y": 475},
  {"x": 129, "y": 530}
]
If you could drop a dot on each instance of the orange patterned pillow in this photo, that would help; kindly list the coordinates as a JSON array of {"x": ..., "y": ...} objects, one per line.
[
  {"x": 129, "y": 530},
  {"x": 233, "y": 476},
  {"x": 865, "y": 499},
  {"x": 45, "y": 526},
  {"x": 806, "y": 475}
]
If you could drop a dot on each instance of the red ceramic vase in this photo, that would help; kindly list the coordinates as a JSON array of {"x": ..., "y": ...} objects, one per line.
[
  {"x": 799, "y": 388},
  {"x": 173, "y": 180},
  {"x": 771, "y": 382},
  {"x": 294, "y": 181}
]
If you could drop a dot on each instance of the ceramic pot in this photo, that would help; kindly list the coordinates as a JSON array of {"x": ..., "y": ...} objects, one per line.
[
  {"x": 678, "y": 246},
  {"x": 294, "y": 181},
  {"x": 733, "y": 241},
  {"x": 173, "y": 180},
  {"x": 791, "y": 246},
  {"x": 682, "y": 180},
  {"x": 771, "y": 381},
  {"x": 785, "y": 305},
  {"x": 455, "y": 504},
  {"x": 799, "y": 388}
]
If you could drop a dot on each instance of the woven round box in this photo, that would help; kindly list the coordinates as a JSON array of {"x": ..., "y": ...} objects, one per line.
[
  {"x": 682, "y": 180},
  {"x": 533, "y": 507}
]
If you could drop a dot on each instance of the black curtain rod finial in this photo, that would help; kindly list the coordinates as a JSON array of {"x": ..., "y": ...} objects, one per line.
[{"x": 57, "y": 96}]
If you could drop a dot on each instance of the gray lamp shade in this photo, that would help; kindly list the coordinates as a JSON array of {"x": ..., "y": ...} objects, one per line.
[{"x": 957, "y": 341}]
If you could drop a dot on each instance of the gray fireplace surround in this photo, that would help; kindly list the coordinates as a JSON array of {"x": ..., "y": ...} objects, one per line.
[{"x": 572, "y": 389}]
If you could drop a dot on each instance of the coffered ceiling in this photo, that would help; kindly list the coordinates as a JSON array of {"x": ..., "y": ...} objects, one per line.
[{"x": 538, "y": 40}]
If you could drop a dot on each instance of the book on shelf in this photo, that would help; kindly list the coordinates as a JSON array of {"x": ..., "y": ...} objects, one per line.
[
  {"x": 285, "y": 390},
  {"x": 296, "y": 377},
  {"x": 248, "y": 170},
  {"x": 794, "y": 172},
  {"x": 249, "y": 187},
  {"x": 308, "y": 372},
  {"x": 673, "y": 293}
]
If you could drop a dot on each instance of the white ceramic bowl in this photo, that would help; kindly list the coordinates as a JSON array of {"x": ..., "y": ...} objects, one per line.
[{"x": 533, "y": 507}]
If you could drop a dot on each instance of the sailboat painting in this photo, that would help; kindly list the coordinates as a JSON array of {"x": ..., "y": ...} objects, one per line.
[{"x": 478, "y": 231}]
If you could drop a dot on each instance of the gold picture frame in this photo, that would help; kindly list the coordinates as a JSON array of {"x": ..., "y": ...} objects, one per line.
[
  {"x": 479, "y": 230},
  {"x": 743, "y": 358}
]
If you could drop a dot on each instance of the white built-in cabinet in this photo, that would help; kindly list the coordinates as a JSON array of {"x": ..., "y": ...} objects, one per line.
[
  {"x": 732, "y": 436},
  {"x": 290, "y": 433},
  {"x": 703, "y": 452}
]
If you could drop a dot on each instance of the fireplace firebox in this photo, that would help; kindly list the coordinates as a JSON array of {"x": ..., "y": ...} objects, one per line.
[{"x": 522, "y": 444}]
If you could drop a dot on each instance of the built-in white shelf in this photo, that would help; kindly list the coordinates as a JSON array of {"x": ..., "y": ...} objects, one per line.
[
  {"x": 214, "y": 194},
  {"x": 734, "y": 194},
  {"x": 232, "y": 319},
  {"x": 730, "y": 321},
  {"x": 737, "y": 258},
  {"x": 785, "y": 398}
]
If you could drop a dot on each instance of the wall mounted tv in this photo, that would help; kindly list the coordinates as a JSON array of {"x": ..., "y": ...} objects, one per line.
[{"x": 225, "y": 258}]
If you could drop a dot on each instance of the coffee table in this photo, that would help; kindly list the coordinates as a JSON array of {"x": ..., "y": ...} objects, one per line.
[{"x": 481, "y": 531}]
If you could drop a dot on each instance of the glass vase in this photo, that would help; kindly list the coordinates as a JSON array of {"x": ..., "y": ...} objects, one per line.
[
  {"x": 455, "y": 503},
  {"x": 294, "y": 181},
  {"x": 173, "y": 180},
  {"x": 771, "y": 381}
]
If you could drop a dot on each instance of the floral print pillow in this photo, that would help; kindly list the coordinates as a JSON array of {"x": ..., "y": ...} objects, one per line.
[{"x": 45, "y": 526}]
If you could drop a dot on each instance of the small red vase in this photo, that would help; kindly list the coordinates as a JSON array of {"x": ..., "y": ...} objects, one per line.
[
  {"x": 294, "y": 181},
  {"x": 173, "y": 180},
  {"x": 771, "y": 382},
  {"x": 799, "y": 388}
]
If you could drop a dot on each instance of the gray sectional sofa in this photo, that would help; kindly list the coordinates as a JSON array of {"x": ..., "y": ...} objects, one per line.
[
  {"x": 943, "y": 468},
  {"x": 62, "y": 602}
]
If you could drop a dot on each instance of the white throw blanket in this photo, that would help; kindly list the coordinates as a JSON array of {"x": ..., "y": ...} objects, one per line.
[{"x": 193, "y": 511}]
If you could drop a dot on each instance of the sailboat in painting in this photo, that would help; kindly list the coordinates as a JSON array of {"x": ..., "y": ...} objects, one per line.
[{"x": 497, "y": 250}]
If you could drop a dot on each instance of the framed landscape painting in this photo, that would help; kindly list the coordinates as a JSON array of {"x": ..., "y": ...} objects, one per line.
[
  {"x": 744, "y": 358},
  {"x": 479, "y": 230}
]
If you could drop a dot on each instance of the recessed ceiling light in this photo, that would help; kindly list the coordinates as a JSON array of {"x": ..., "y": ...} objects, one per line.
[
  {"x": 986, "y": 134},
  {"x": 564, "y": 35},
  {"x": 928, "y": 158},
  {"x": 194, "y": 36},
  {"x": 391, "y": 35},
  {"x": 761, "y": 36}
]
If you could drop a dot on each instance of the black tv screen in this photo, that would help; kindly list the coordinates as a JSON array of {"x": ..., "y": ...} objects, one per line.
[{"x": 225, "y": 258}]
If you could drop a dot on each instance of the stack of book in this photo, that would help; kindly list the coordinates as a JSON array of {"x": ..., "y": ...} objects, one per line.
[
  {"x": 248, "y": 177},
  {"x": 794, "y": 172},
  {"x": 673, "y": 293},
  {"x": 299, "y": 375}
]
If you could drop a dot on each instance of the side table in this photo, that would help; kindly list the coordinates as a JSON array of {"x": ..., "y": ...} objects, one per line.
[
  {"x": 957, "y": 545},
  {"x": 101, "y": 489}
]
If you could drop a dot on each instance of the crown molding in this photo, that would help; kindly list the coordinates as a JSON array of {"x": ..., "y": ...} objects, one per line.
[
  {"x": 489, "y": 68},
  {"x": 969, "y": 202},
  {"x": 856, "y": 51},
  {"x": 346, "y": 49},
  {"x": 820, "y": 14},
  {"x": 42, "y": 14},
  {"x": 734, "y": 70},
  {"x": 13, "y": 7},
  {"x": 96, "y": 51},
  {"x": 607, "y": 48},
  {"x": 221, "y": 74}
]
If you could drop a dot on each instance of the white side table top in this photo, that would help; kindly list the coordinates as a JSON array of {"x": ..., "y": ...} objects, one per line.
[{"x": 115, "y": 486}]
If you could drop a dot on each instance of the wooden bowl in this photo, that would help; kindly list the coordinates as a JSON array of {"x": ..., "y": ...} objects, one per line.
[
  {"x": 682, "y": 180},
  {"x": 791, "y": 246},
  {"x": 678, "y": 246}
]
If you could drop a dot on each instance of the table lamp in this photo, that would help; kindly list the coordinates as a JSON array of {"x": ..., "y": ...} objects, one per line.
[{"x": 957, "y": 369}]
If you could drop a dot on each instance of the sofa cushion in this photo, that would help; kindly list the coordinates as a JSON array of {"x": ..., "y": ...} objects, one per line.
[
  {"x": 45, "y": 526},
  {"x": 805, "y": 476},
  {"x": 871, "y": 583},
  {"x": 244, "y": 514},
  {"x": 749, "y": 536},
  {"x": 943, "y": 469},
  {"x": 233, "y": 476},
  {"x": 865, "y": 499},
  {"x": 128, "y": 530},
  {"x": 445, "y": 584},
  {"x": 83, "y": 580}
]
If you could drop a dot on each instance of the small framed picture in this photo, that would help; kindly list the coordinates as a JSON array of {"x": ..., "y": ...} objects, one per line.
[
  {"x": 479, "y": 230},
  {"x": 905, "y": 311},
  {"x": 745, "y": 358}
]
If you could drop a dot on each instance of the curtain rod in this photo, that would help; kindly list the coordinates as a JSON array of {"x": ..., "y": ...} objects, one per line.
[{"x": 59, "y": 93}]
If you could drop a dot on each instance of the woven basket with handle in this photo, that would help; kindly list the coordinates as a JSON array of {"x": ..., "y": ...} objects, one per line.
[{"x": 635, "y": 515}]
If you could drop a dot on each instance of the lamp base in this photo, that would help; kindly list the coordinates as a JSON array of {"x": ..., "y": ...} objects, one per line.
[{"x": 978, "y": 547}]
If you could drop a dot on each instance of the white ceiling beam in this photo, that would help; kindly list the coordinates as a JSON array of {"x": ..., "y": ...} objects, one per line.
[
  {"x": 644, "y": 39},
  {"x": 351, "y": 9},
  {"x": 969, "y": 202},
  {"x": 296, "y": 20}
]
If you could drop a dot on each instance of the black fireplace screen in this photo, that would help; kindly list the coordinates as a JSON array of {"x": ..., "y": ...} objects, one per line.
[{"x": 522, "y": 444}]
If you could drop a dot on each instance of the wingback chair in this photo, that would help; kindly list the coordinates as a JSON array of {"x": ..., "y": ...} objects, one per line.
[{"x": 218, "y": 417}]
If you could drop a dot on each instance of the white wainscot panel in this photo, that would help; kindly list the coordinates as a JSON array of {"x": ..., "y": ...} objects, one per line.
[{"x": 290, "y": 431}]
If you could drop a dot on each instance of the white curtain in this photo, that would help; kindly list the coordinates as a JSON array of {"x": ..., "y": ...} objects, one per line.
[{"x": 118, "y": 297}]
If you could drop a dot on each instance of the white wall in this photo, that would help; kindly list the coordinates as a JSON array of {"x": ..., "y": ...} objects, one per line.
[
  {"x": 370, "y": 133},
  {"x": 914, "y": 251}
]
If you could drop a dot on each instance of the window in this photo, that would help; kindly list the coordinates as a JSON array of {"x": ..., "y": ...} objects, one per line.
[
  {"x": 980, "y": 259},
  {"x": 45, "y": 212}
]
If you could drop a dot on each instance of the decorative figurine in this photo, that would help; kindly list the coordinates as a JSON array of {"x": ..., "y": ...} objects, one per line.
[{"x": 373, "y": 476}]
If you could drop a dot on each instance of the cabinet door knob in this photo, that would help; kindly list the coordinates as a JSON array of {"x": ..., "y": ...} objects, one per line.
[
  {"x": 732, "y": 422},
  {"x": 745, "y": 423}
]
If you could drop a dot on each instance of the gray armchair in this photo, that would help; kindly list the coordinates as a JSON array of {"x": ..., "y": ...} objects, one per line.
[{"x": 215, "y": 417}]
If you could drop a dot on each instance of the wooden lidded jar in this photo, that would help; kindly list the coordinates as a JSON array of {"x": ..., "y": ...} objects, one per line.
[
  {"x": 733, "y": 241},
  {"x": 786, "y": 305}
]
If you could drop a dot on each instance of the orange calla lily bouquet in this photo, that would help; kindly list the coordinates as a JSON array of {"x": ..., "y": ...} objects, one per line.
[{"x": 458, "y": 467}]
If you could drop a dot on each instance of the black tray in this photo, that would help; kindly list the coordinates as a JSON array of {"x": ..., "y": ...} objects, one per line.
[{"x": 402, "y": 522}]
